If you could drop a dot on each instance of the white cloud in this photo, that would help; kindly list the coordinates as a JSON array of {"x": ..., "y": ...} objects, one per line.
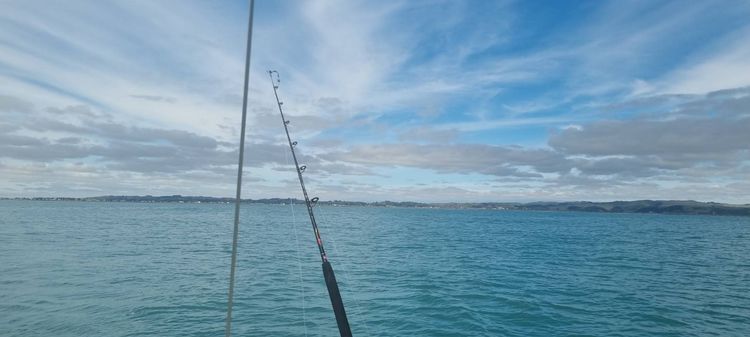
[{"x": 726, "y": 68}]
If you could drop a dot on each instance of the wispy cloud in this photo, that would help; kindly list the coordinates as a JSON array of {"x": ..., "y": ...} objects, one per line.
[{"x": 726, "y": 68}]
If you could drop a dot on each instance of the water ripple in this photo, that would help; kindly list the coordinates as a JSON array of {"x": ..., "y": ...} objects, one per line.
[{"x": 97, "y": 269}]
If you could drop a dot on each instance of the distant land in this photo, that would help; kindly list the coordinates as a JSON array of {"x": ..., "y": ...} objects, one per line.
[{"x": 637, "y": 206}]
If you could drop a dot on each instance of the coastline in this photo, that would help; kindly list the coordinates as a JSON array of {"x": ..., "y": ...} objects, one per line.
[{"x": 686, "y": 207}]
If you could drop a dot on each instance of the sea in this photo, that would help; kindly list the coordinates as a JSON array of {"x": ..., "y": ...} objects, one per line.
[{"x": 138, "y": 269}]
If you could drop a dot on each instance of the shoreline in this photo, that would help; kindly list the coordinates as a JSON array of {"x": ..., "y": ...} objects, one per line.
[{"x": 679, "y": 207}]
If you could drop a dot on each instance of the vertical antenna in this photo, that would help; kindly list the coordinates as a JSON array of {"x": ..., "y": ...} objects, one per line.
[
  {"x": 328, "y": 275},
  {"x": 228, "y": 327}
]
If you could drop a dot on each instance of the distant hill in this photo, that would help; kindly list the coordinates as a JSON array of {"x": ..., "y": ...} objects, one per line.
[
  {"x": 643, "y": 206},
  {"x": 637, "y": 206}
]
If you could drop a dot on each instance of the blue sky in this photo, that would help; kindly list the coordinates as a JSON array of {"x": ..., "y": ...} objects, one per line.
[{"x": 397, "y": 100}]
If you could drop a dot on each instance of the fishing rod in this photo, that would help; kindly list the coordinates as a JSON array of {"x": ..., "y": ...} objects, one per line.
[{"x": 330, "y": 278}]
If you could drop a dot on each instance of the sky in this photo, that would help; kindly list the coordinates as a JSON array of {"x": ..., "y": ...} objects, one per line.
[{"x": 433, "y": 101}]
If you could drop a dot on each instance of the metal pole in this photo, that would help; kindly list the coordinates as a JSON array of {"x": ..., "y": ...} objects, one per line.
[{"x": 228, "y": 327}]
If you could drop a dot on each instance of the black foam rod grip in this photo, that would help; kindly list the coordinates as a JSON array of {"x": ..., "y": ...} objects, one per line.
[{"x": 338, "y": 304}]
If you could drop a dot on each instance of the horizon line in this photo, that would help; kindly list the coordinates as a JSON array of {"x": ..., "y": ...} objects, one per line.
[{"x": 368, "y": 202}]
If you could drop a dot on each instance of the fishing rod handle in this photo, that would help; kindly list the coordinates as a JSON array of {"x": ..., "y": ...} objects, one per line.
[{"x": 336, "y": 301}]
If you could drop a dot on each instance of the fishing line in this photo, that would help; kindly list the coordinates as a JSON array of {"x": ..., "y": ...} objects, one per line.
[
  {"x": 344, "y": 271},
  {"x": 299, "y": 257}
]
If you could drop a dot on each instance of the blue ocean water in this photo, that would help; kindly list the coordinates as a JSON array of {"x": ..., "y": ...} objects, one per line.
[{"x": 129, "y": 269}]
